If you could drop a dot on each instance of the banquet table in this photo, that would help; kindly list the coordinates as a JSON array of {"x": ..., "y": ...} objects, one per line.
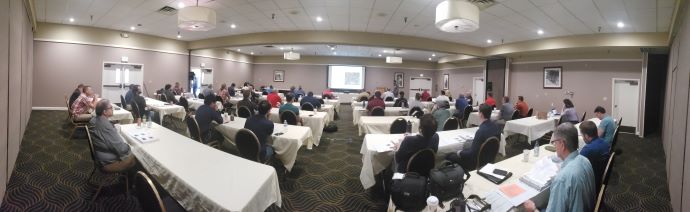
[
  {"x": 121, "y": 115},
  {"x": 235, "y": 100},
  {"x": 166, "y": 108},
  {"x": 358, "y": 103},
  {"x": 473, "y": 119},
  {"x": 382, "y": 124},
  {"x": 286, "y": 145},
  {"x": 532, "y": 127},
  {"x": 330, "y": 109},
  {"x": 202, "y": 178},
  {"x": 359, "y": 111},
  {"x": 377, "y": 153},
  {"x": 195, "y": 103},
  {"x": 314, "y": 120},
  {"x": 345, "y": 97}
]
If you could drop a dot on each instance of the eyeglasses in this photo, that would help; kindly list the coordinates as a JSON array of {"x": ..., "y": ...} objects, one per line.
[
  {"x": 108, "y": 108},
  {"x": 554, "y": 141}
]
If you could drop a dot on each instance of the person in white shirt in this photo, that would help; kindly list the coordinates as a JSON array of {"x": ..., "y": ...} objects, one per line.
[
  {"x": 387, "y": 94},
  {"x": 442, "y": 97}
]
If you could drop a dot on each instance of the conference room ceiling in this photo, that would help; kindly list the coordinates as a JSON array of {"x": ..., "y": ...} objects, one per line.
[
  {"x": 506, "y": 21},
  {"x": 338, "y": 50}
]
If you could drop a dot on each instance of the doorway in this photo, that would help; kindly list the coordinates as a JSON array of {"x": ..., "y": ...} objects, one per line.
[
  {"x": 478, "y": 92},
  {"x": 625, "y": 101},
  {"x": 202, "y": 78},
  {"x": 117, "y": 77},
  {"x": 419, "y": 85}
]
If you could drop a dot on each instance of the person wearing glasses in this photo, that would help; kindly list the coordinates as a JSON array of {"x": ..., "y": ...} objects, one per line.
[
  {"x": 572, "y": 189},
  {"x": 112, "y": 153}
]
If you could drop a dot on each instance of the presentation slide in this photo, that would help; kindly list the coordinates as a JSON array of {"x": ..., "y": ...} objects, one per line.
[{"x": 346, "y": 77}]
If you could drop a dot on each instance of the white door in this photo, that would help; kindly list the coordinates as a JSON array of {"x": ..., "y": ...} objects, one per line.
[
  {"x": 117, "y": 77},
  {"x": 478, "y": 90},
  {"x": 202, "y": 78},
  {"x": 418, "y": 85},
  {"x": 626, "y": 101}
]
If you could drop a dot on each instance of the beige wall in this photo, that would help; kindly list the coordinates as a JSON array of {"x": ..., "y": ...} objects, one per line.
[
  {"x": 16, "y": 70},
  {"x": 460, "y": 78},
  {"x": 224, "y": 70},
  {"x": 59, "y": 67}
]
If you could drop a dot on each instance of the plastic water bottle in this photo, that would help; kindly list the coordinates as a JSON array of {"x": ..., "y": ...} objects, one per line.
[
  {"x": 364, "y": 104},
  {"x": 409, "y": 126},
  {"x": 285, "y": 123},
  {"x": 536, "y": 149},
  {"x": 148, "y": 120}
]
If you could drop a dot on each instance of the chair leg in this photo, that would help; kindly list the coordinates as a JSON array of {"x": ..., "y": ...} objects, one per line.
[{"x": 96, "y": 194}]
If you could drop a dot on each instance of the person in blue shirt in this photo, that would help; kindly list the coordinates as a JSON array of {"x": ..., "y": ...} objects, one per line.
[
  {"x": 569, "y": 114},
  {"x": 607, "y": 127},
  {"x": 427, "y": 138},
  {"x": 129, "y": 94},
  {"x": 205, "y": 115},
  {"x": 596, "y": 150},
  {"x": 572, "y": 189},
  {"x": 460, "y": 105},
  {"x": 467, "y": 158},
  {"x": 262, "y": 128},
  {"x": 310, "y": 98},
  {"x": 299, "y": 92}
]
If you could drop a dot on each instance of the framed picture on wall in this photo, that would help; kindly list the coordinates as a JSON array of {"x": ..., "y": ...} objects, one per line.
[
  {"x": 553, "y": 77},
  {"x": 399, "y": 79},
  {"x": 279, "y": 76},
  {"x": 446, "y": 81}
]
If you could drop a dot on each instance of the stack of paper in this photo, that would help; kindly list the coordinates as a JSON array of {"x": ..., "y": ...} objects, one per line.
[
  {"x": 541, "y": 174},
  {"x": 144, "y": 137}
]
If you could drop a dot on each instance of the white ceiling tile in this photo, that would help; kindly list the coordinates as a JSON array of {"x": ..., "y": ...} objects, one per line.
[
  {"x": 519, "y": 5},
  {"x": 540, "y": 3},
  {"x": 387, "y": 5},
  {"x": 585, "y": 11},
  {"x": 362, "y": 4},
  {"x": 56, "y": 10},
  {"x": 499, "y": 10},
  {"x": 664, "y": 16},
  {"x": 313, "y": 3},
  {"x": 640, "y": 4},
  {"x": 287, "y": 4},
  {"x": 613, "y": 11},
  {"x": 265, "y": 5},
  {"x": 666, "y": 3},
  {"x": 642, "y": 19},
  {"x": 561, "y": 16}
]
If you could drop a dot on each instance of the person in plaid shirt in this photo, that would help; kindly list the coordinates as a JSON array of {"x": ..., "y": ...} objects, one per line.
[{"x": 84, "y": 104}]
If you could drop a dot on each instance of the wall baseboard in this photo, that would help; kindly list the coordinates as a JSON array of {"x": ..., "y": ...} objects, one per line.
[{"x": 49, "y": 108}]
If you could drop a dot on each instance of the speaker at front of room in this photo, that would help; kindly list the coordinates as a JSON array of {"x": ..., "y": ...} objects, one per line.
[{"x": 191, "y": 75}]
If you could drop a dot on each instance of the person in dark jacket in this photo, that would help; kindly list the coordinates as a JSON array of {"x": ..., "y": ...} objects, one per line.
[
  {"x": 467, "y": 158},
  {"x": 205, "y": 115},
  {"x": 427, "y": 138},
  {"x": 262, "y": 128}
]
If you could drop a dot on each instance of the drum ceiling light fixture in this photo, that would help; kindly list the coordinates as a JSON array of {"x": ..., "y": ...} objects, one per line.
[
  {"x": 196, "y": 18},
  {"x": 457, "y": 16}
]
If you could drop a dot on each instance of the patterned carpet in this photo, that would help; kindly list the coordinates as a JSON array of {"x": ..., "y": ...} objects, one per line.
[{"x": 51, "y": 174}]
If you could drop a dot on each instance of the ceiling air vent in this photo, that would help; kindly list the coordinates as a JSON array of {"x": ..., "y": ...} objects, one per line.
[
  {"x": 482, "y": 4},
  {"x": 167, "y": 10}
]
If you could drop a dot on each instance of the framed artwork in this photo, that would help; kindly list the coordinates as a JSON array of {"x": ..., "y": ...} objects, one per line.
[
  {"x": 399, "y": 79},
  {"x": 446, "y": 79},
  {"x": 279, "y": 76},
  {"x": 553, "y": 78}
]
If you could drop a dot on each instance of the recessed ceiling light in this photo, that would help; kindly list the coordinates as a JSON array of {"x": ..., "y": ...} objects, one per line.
[
  {"x": 421, "y": 75},
  {"x": 379, "y": 55},
  {"x": 319, "y": 19},
  {"x": 541, "y": 32},
  {"x": 180, "y": 5},
  {"x": 620, "y": 24},
  {"x": 281, "y": 48},
  {"x": 429, "y": 58},
  {"x": 132, "y": 28},
  {"x": 252, "y": 53},
  {"x": 71, "y": 20},
  {"x": 335, "y": 53},
  {"x": 239, "y": 50},
  {"x": 332, "y": 48},
  {"x": 433, "y": 55},
  {"x": 488, "y": 41},
  {"x": 233, "y": 26}
]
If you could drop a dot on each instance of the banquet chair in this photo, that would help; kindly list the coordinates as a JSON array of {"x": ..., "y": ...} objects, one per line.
[
  {"x": 163, "y": 98},
  {"x": 244, "y": 112},
  {"x": 288, "y": 116},
  {"x": 97, "y": 168},
  {"x": 400, "y": 103},
  {"x": 399, "y": 126},
  {"x": 583, "y": 116},
  {"x": 487, "y": 152},
  {"x": 516, "y": 115},
  {"x": 307, "y": 106},
  {"x": 69, "y": 108},
  {"x": 363, "y": 99},
  {"x": 377, "y": 111},
  {"x": 184, "y": 103},
  {"x": 604, "y": 182},
  {"x": 201, "y": 96},
  {"x": 620, "y": 121},
  {"x": 419, "y": 112},
  {"x": 75, "y": 124},
  {"x": 389, "y": 99},
  {"x": 451, "y": 124},
  {"x": 465, "y": 116},
  {"x": 123, "y": 104},
  {"x": 421, "y": 162},
  {"x": 193, "y": 128},
  {"x": 248, "y": 145},
  {"x": 219, "y": 99},
  {"x": 614, "y": 141},
  {"x": 530, "y": 112},
  {"x": 322, "y": 102},
  {"x": 148, "y": 196}
]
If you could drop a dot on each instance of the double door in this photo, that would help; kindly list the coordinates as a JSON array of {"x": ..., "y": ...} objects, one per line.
[{"x": 117, "y": 77}]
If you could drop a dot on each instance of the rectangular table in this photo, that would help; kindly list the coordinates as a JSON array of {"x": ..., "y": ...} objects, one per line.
[
  {"x": 382, "y": 124},
  {"x": 195, "y": 103},
  {"x": 330, "y": 109},
  {"x": 374, "y": 161},
  {"x": 358, "y": 103},
  {"x": 359, "y": 111},
  {"x": 166, "y": 108},
  {"x": 314, "y": 120},
  {"x": 285, "y": 145},
  {"x": 202, "y": 178},
  {"x": 121, "y": 115},
  {"x": 532, "y": 127},
  {"x": 473, "y": 119},
  {"x": 345, "y": 97}
]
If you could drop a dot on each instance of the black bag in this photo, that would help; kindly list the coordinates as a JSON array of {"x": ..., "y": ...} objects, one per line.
[
  {"x": 331, "y": 127},
  {"x": 447, "y": 181},
  {"x": 410, "y": 193}
]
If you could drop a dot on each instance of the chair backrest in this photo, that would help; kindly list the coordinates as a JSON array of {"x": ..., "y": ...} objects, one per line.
[
  {"x": 264, "y": 93},
  {"x": 583, "y": 116},
  {"x": 378, "y": 111},
  {"x": 122, "y": 102},
  {"x": 451, "y": 124},
  {"x": 69, "y": 107},
  {"x": 244, "y": 112},
  {"x": 147, "y": 194},
  {"x": 465, "y": 115},
  {"x": 422, "y": 162},
  {"x": 620, "y": 121},
  {"x": 288, "y": 116},
  {"x": 389, "y": 99},
  {"x": 415, "y": 109},
  {"x": 201, "y": 96},
  {"x": 487, "y": 152},
  {"x": 400, "y": 103},
  {"x": 516, "y": 115},
  {"x": 307, "y": 106},
  {"x": 184, "y": 103},
  {"x": 399, "y": 126},
  {"x": 248, "y": 145},
  {"x": 193, "y": 128},
  {"x": 561, "y": 120},
  {"x": 529, "y": 112},
  {"x": 604, "y": 182},
  {"x": 614, "y": 141},
  {"x": 322, "y": 102},
  {"x": 91, "y": 149}
]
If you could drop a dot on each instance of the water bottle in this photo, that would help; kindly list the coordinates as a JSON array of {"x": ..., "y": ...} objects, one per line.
[
  {"x": 148, "y": 120},
  {"x": 409, "y": 127},
  {"x": 285, "y": 124},
  {"x": 364, "y": 104},
  {"x": 536, "y": 149}
]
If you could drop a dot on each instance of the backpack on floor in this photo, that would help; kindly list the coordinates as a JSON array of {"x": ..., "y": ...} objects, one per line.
[
  {"x": 447, "y": 181},
  {"x": 331, "y": 127},
  {"x": 410, "y": 193}
]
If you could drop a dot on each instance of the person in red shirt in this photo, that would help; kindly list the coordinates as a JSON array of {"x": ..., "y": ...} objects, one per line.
[
  {"x": 327, "y": 94},
  {"x": 426, "y": 96},
  {"x": 274, "y": 99},
  {"x": 521, "y": 106},
  {"x": 376, "y": 101},
  {"x": 490, "y": 100}
]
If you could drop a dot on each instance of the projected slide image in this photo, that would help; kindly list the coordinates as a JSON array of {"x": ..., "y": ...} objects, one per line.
[
  {"x": 346, "y": 77},
  {"x": 353, "y": 78}
]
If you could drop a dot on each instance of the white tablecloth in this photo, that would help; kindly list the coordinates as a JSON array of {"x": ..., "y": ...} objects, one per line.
[
  {"x": 356, "y": 103},
  {"x": 345, "y": 97},
  {"x": 382, "y": 124},
  {"x": 532, "y": 127},
  {"x": 581, "y": 142},
  {"x": 235, "y": 100},
  {"x": 195, "y": 103},
  {"x": 166, "y": 108},
  {"x": 473, "y": 119},
  {"x": 121, "y": 115},
  {"x": 374, "y": 161},
  {"x": 285, "y": 146},
  {"x": 330, "y": 109},
  {"x": 202, "y": 178},
  {"x": 314, "y": 120},
  {"x": 359, "y": 111}
]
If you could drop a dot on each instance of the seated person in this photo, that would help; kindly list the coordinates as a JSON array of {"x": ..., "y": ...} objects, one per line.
[
  {"x": 112, "y": 153},
  {"x": 522, "y": 106},
  {"x": 274, "y": 99},
  {"x": 129, "y": 95},
  {"x": 376, "y": 101},
  {"x": 231, "y": 90},
  {"x": 426, "y": 97},
  {"x": 206, "y": 114},
  {"x": 262, "y": 128},
  {"x": 596, "y": 150},
  {"x": 207, "y": 91},
  {"x": 327, "y": 94},
  {"x": 572, "y": 189},
  {"x": 468, "y": 96},
  {"x": 490, "y": 100},
  {"x": 427, "y": 138},
  {"x": 299, "y": 93},
  {"x": 607, "y": 127},
  {"x": 460, "y": 105},
  {"x": 467, "y": 158},
  {"x": 310, "y": 99},
  {"x": 84, "y": 104},
  {"x": 442, "y": 97},
  {"x": 138, "y": 104},
  {"x": 569, "y": 114},
  {"x": 387, "y": 94},
  {"x": 363, "y": 95},
  {"x": 416, "y": 102},
  {"x": 178, "y": 90},
  {"x": 507, "y": 109},
  {"x": 169, "y": 95},
  {"x": 247, "y": 102},
  {"x": 288, "y": 106},
  {"x": 402, "y": 101},
  {"x": 75, "y": 95},
  {"x": 441, "y": 114}
]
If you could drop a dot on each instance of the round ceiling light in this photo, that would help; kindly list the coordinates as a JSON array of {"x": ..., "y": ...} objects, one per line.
[
  {"x": 457, "y": 16},
  {"x": 196, "y": 18}
]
